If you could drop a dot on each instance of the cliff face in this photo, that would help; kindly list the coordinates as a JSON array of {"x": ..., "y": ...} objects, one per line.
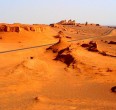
[{"x": 20, "y": 28}]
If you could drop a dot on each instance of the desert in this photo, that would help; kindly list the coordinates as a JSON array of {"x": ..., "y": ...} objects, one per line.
[{"x": 61, "y": 66}]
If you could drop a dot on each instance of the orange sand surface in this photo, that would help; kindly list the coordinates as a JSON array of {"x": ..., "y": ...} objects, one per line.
[{"x": 76, "y": 72}]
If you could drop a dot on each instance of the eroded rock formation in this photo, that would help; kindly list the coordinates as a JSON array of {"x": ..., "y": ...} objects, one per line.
[
  {"x": 63, "y": 51},
  {"x": 7, "y": 28},
  {"x": 21, "y": 27},
  {"x": 69, "y": 22},
  {"x": 91, "y": 46}
]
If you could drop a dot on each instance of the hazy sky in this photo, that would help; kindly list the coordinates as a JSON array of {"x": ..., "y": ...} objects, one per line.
[{"x": 49, "y": 11}]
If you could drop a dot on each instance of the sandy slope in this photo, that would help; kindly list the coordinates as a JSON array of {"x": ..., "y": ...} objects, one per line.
[{"x": 32, "y": 80}]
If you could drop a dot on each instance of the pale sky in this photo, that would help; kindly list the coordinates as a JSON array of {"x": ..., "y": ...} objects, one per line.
[{"x": 50, "y": 11}]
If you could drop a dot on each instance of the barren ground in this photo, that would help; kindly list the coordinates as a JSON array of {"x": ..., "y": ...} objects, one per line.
[{"x": 33, "y": 80}]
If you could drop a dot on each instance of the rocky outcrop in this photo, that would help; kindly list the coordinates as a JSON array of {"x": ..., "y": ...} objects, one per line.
[
  {"x": 65, "y": 56},
  {"x": 113, "y": 89},
  {"x": 55, "y": 25},
  {"x": 97, "y": 24},
  {"x": 61, "y": 44},
  {"x": 6, "y": 28},
  {"x": 92, "y": 46},
  {"x": 33, "y": 28},
  {"x": 61, "y": 34},
  {"x": 21, "y": 27},
  {"x": 26, "y": 28},
  {"x": 14, "y": 29},
  {"x": 62, "y": 49},
  {"x": 69, "y": 22},
  {"x": 3, "y": 28},
  {"x": 112, "y": 42}
]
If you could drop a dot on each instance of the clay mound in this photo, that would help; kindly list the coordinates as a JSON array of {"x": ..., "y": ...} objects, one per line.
[
  {"x": 60, "y": 45},
  {"x": 92, "y": 46},
  {"x": 61, "y": 34},
  {"x": 113, "y": 33},
  {"x": 62, "y": 48}
]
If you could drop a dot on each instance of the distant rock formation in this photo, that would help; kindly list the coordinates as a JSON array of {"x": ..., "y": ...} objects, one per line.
[
  {"x": 86, "y": 23},
  {"x": 6, "y": 28},
  {"x": 55, "y": 25},
  {"x": 69, "y": 22},
  {"x": 21, "y": 27}
]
